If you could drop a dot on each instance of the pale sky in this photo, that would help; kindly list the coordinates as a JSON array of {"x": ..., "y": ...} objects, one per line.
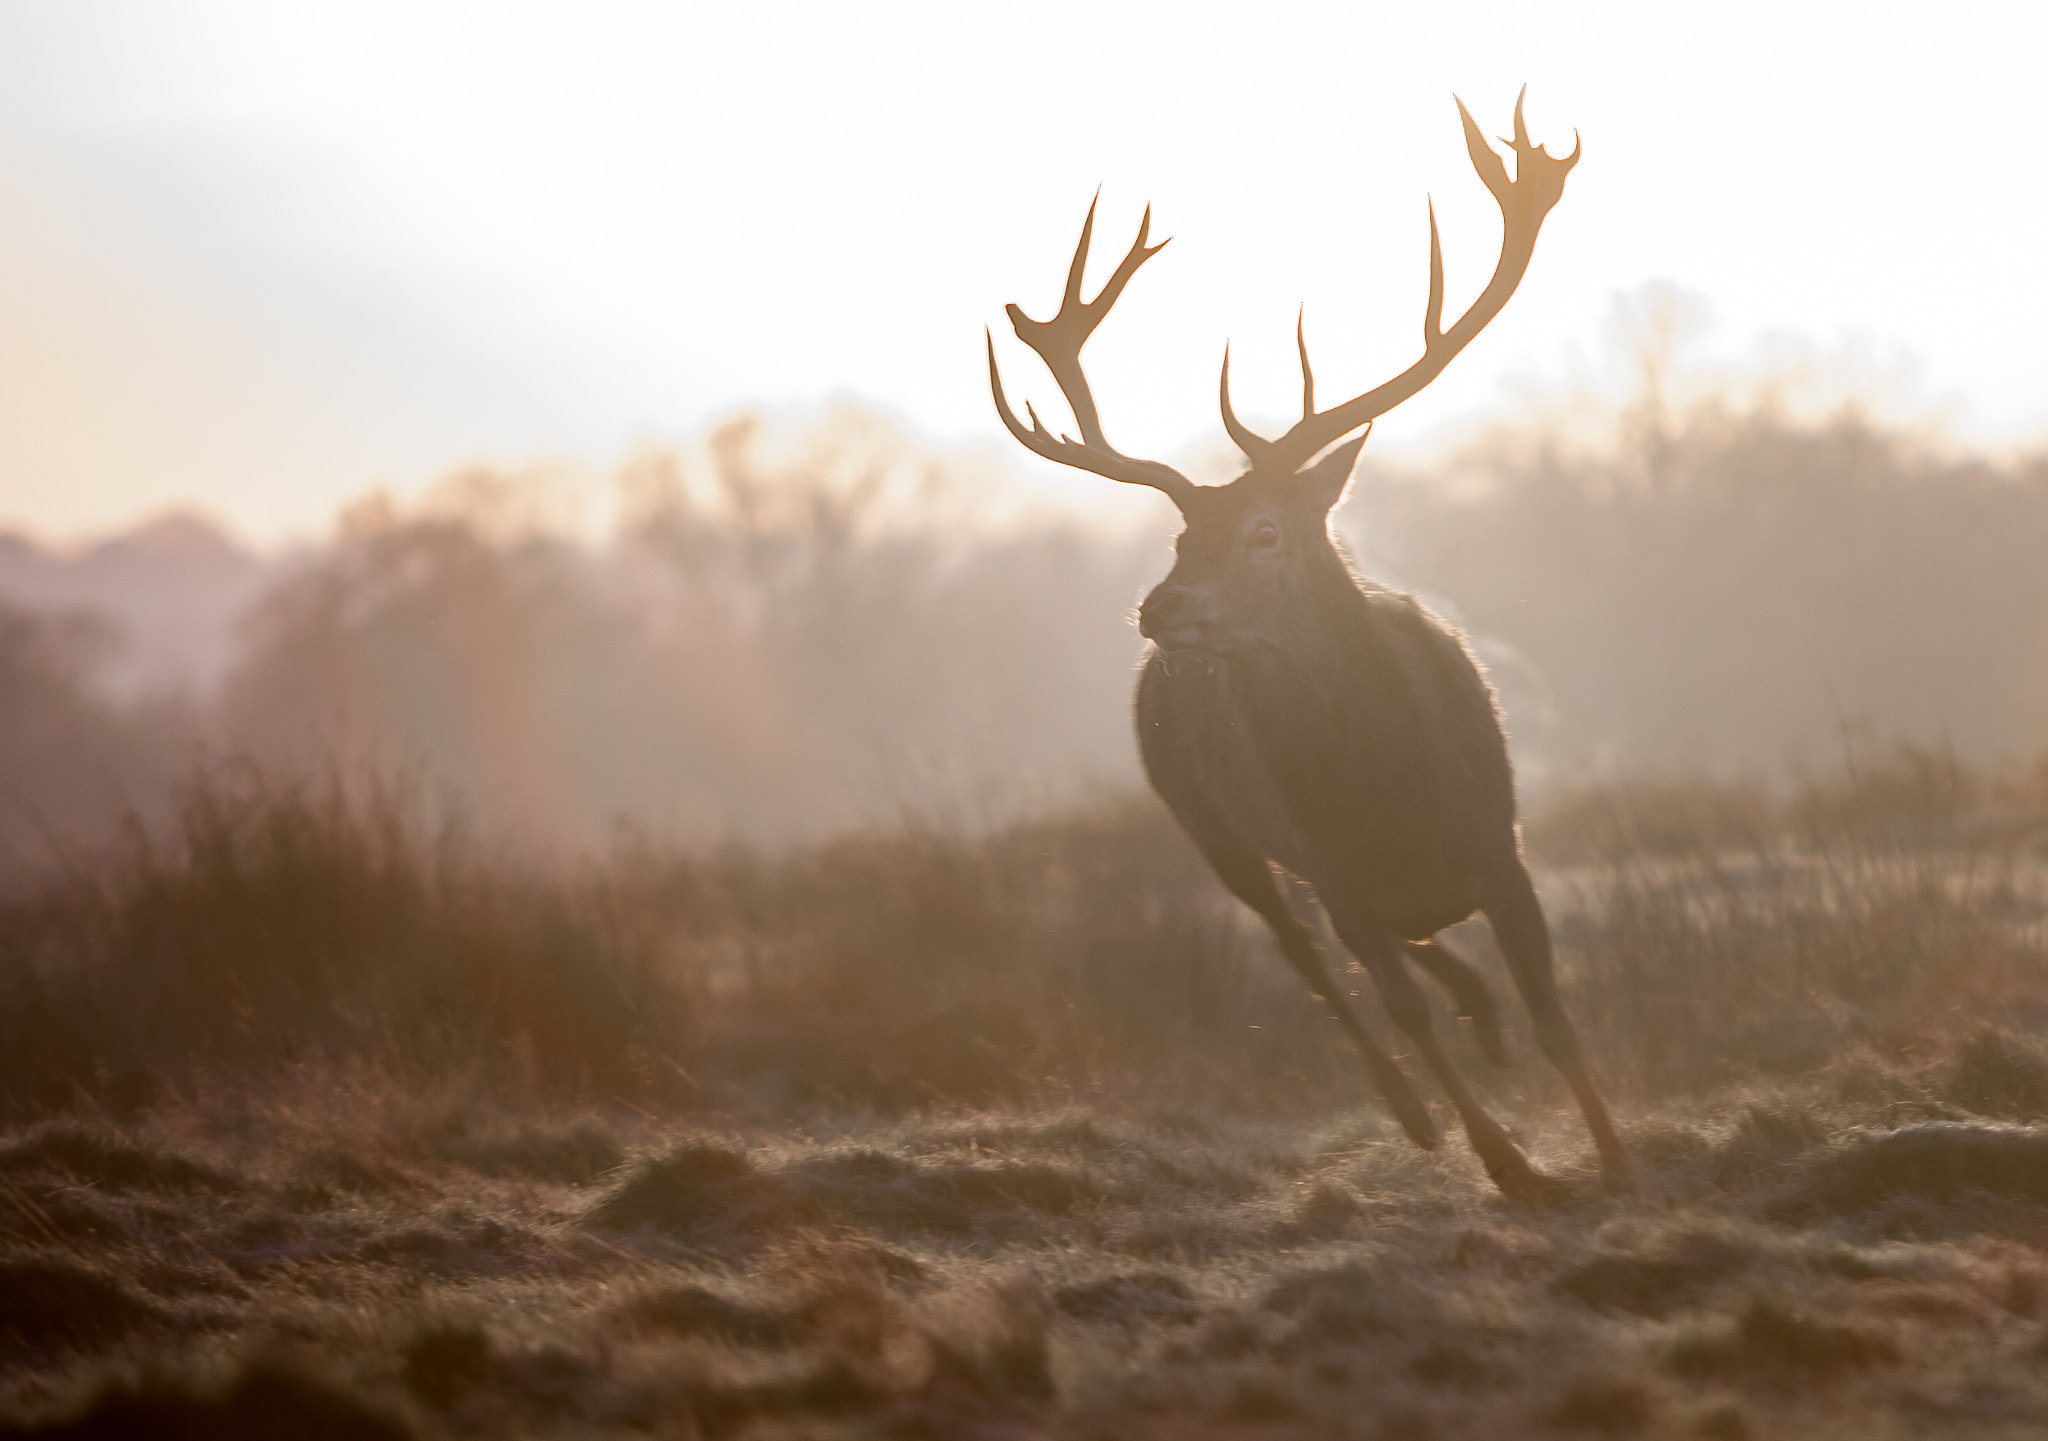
[{"x": 260, "y": 257}]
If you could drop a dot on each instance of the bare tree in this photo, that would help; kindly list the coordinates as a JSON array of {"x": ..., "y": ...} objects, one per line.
[{"x": 1293, "y": 714}]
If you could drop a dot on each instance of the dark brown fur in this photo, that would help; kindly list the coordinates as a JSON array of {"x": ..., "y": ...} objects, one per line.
[{"x": 1289, "y": 712}]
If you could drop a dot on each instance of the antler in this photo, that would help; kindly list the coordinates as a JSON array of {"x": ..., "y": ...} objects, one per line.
[
  {"x": 1058, "y": 342},
  {"x": 1524, "y": 201}
]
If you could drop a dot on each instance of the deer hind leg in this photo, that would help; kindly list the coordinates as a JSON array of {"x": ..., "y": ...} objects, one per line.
[
  {"x": 1381, "y": 953},
  {"x": 1517, "y": 919},
  {"x": 1251, "y": 880},
  {"x": 1468, "y": 988}
]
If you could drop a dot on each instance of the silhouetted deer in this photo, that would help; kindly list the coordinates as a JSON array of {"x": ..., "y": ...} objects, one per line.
[{"x": 1290, "y": 712}]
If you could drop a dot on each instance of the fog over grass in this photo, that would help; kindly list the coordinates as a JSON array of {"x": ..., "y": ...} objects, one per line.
[
  {"x": 787, "y": 632},
  {"x": 322, "y": 1115},
  {"x": 725, "y": 978}
]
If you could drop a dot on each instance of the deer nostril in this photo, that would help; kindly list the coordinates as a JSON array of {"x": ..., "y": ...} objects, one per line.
[
  {"x": 1155, "y": 615},
  {"x": 1172, "y": 616}
]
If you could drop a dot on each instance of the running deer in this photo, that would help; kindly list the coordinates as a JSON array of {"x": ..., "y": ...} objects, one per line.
[{"x": 1294, "y": 715}]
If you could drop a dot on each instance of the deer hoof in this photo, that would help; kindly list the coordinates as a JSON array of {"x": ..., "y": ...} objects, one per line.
[
  {"x": 1417, "y": 1122},
  {"x": 1523, "y": 1183}
]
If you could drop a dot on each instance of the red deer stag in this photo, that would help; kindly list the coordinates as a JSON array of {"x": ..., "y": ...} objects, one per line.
[{"x": 1291, "y": 713}]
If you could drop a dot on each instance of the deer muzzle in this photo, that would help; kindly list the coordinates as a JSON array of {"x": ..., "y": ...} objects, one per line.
[{"x": 1177, "y": 618}]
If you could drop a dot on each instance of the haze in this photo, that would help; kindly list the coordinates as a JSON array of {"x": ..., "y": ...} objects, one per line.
[{"x": 260, "y": 259}]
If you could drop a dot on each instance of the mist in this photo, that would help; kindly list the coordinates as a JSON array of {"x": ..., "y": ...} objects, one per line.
[{"x": 791, "y": 630}]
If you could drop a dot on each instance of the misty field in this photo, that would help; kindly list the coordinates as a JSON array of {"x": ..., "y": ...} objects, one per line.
[
  {"x": 454, "y": 980},
  {"x": 788, "y": 632},
  {"x": 325, "y": 1117}
]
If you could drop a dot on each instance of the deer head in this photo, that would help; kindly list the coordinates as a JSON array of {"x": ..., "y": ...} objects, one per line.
[{"x": 1252, "y": 544}]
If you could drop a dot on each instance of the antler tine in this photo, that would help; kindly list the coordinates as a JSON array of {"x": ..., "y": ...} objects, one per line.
[
  {"x": 1524, "y": 202},
  {"x": 1246, "y": 440},
  {"x": 1058, "y": 342},
  {"x": 1308, "y": 376}
]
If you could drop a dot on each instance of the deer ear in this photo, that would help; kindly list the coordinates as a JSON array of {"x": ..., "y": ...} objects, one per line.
[{"x": 1328, "y": 477}]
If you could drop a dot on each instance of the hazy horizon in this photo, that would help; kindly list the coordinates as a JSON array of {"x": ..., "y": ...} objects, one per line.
[
  {"x": 1657, "y": 328},
  {"x": 785, "y": 632},
  {"x": 262, "y": 262}
]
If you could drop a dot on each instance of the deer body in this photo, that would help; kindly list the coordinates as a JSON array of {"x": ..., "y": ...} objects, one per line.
[
  {"x": 1293, "y": 715},
  {"x": 1348, "y": 762}
]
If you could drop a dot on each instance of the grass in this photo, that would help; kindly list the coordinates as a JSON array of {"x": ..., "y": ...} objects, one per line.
[
  {"x": 406, "y": 1264},
  {"x": 291, "y": 922},
  {"x": 322, "y": 1117}
]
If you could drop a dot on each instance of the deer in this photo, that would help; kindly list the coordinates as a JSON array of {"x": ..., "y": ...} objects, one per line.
[{"x": 1307, "y": 726}]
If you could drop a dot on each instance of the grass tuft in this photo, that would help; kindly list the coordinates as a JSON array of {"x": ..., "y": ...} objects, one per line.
[
  {"x": 1773, "y": 1340},
  {"x": 693, "y": 1187},
  {"x": 109, "y": 1161},
  {"x": 53, "y": 1302},
  {"x": 1139, "y": 1296},
  {"x": 262, "y": 1403},
  {"x": 1942, "y": 1161},
  {"x": 1680, "y": 1272},
  {"x": 2001, "y": 1075},
  {"x": 1601, "y": 1405}
]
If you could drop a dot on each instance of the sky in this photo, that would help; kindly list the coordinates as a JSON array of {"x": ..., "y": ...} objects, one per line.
[{"x": 259, "y": 258}]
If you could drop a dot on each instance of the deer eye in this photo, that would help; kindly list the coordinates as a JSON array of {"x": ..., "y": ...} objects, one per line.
[{"x": 1265, "y": 536}]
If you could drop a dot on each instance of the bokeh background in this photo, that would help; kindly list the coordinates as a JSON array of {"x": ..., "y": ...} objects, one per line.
[{"x": 582, "y": 411}]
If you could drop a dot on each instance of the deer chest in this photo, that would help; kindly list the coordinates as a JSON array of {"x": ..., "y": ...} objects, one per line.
[
  {"x": 1204, "y": 758},
  {"x": 1332, "y": 804}
]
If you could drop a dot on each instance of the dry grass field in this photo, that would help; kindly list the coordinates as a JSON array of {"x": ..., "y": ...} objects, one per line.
[{"x": 319, "y": 1118}]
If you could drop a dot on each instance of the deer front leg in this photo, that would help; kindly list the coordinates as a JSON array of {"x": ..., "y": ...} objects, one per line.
[
  {"x": 1516, "y": 916},
  {"x": 1380, "y": 953},
  {"x": 1251, "y": 880}
]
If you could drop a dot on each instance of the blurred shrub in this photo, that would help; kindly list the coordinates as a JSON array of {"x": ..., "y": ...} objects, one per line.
[
  {"x": 1718, "y": 933},
  {"x": 773, "y": 647},
  {"x": 1725, "y": 583},
  {"x": 351, "y": 921},
  {"x": 286, "y": 921},
  {"x": 1649, "y": 815},
  {"x": 65, "y": 750},
  {"x": 920, "y": 963},
  {"x": 786, "y": 633}
]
